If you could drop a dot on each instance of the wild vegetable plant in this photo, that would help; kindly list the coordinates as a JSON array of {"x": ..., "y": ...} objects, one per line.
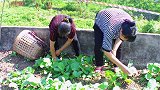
[
  {"x": 116, "y": 79},
  {"x": 153, "y": 76},
  {"x": 26, "y": 80},
  {"x": 13, "y": 54},
  {"x": 67, "y": 68}
]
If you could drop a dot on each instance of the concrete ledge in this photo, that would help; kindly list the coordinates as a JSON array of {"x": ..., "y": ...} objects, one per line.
[{"x": 144, "y": 50}]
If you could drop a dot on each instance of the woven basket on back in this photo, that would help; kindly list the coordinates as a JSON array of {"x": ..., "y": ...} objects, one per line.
[{"x": 29, "y": 45}]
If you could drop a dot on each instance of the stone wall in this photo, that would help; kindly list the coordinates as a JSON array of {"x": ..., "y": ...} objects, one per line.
[{"x": 144, "y": 50}]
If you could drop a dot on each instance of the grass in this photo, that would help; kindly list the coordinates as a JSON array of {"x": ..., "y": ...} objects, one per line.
[{"x": 82, "y": 14}]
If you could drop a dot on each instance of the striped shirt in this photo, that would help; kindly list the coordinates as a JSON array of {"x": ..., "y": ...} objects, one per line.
[
  {"x": 53, "y": 27},
  {"x": 110, "y": 21}
]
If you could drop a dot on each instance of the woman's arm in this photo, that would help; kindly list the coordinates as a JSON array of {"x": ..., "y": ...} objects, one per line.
[
  {"x": 67, "y": 43},
  {"x": 113, "y": 59},
  {"x": 52, "y": 49},
  {"x": 116, "y": 45}
]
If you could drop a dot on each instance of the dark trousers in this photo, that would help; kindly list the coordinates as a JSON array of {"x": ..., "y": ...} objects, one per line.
[
  {"x": 98, "y": 39},
  {"x": 75, "y": 45}
]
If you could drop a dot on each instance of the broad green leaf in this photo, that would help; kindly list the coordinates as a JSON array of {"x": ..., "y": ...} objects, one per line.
[
  {"x": 38, "y": 62},
  {"x": 155, "y": 70},
  {"x": 68, "y": 69},
  {"x": 28, "y": 70},
  {"x": 75, "y": 66},
  {"x": 33, "y": 84},
  {"x": 89, "y": 69},
  {"x": 83, "y": 69},
  {"x": 25, "y": 83},
  {"x": 16, "y": 74},
  {"x": 77, "y": 74},
  {"x": 56, "y": 75},
  {"x": 150, "y": 66},
  {"x": 62, "y": 79},
  {"x": 158, "y": 78},
  {"x": 61, "y": 66},
  {"x": 13, "y": 54},
  {"x": 109, "y": 74},
  {"x": 103, "y": 86},
  {"x": 43, "y": 81},
  {"x": 57, "y": 69},
  {"x": 148, "y": 76},
  {"x": 48, "y": 56},
  {"x": 66, "y": 76}
]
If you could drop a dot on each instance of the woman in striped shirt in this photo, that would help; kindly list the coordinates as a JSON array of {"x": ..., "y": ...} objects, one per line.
[{"x": 112, "y": 27}]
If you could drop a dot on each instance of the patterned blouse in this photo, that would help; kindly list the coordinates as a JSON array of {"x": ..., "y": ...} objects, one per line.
[{"x": 110, "y": 21}]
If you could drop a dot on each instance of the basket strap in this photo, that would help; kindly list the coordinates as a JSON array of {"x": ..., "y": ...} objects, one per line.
[{"x": 40, "y": 41}]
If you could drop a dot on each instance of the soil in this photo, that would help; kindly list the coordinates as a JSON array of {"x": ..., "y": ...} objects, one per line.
[{"x": 11, "y": 63}]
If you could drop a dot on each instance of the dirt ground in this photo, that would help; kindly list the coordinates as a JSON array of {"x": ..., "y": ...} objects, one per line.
[{"x": 10, "y": 63}]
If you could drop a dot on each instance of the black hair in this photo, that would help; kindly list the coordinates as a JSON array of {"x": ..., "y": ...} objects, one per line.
[
  {"x": 67, "y": 19},
  {"x": 64, "y": 28},
  {"x": 129, "y": 30}
]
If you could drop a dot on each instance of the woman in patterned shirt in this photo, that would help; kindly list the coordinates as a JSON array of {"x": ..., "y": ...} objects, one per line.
[{"x": 112, "y": 27}]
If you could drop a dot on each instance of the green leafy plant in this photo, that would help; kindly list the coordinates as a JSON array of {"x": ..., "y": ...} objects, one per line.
[
  {"x": 82, "y": 14},
  {"x": 67, "y": 68},
  {"x": 13, "y": 54},
  {"x": 116, "y": 79},
  {"x": 26, "y": 80},
  {"x": 153, "y": 76},
  {"x": 149, "y": 27}
]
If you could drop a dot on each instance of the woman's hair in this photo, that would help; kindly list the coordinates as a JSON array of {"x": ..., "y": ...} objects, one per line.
[
  {"x": 64, "y": 27},
  {"x": 129, "y": 30},
  {"x": 67, "y": 19}
]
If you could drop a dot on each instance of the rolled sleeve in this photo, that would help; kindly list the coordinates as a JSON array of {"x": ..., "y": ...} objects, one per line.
[{"x": 52, "y": 28}]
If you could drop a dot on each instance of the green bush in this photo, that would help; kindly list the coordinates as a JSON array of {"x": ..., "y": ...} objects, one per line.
[
  {"x": 151, "y": 27},
  {"x": 71, "y": 6},
  {"x": 83, "y": 14}
]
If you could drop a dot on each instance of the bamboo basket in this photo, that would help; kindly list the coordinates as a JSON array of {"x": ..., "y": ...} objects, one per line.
[{"x": 29, "y": 45}]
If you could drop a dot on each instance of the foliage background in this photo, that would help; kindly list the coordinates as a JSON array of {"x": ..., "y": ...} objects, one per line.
[{"x": 35, "y": 12}]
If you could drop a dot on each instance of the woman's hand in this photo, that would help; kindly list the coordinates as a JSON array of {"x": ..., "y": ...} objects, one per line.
[
  {"x": 54, "y": 58},
  {"x": 58, "y": 52}
]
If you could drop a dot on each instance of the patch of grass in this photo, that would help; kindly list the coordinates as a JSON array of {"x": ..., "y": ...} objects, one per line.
[{"x": 82, "y": 13}]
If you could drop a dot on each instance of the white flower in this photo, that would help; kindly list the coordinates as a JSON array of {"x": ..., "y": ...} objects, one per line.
[
  {"x": 116, "y": 88},
  {"x": 133, "y": 70},
  {"x": 34, "y": 79},
  {"x": 14, "y": 85},
  {"x": 47, "y": 60}
]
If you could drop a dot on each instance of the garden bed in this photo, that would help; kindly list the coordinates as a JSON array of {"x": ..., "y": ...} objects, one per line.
[{"x": 11, "y": 62}]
